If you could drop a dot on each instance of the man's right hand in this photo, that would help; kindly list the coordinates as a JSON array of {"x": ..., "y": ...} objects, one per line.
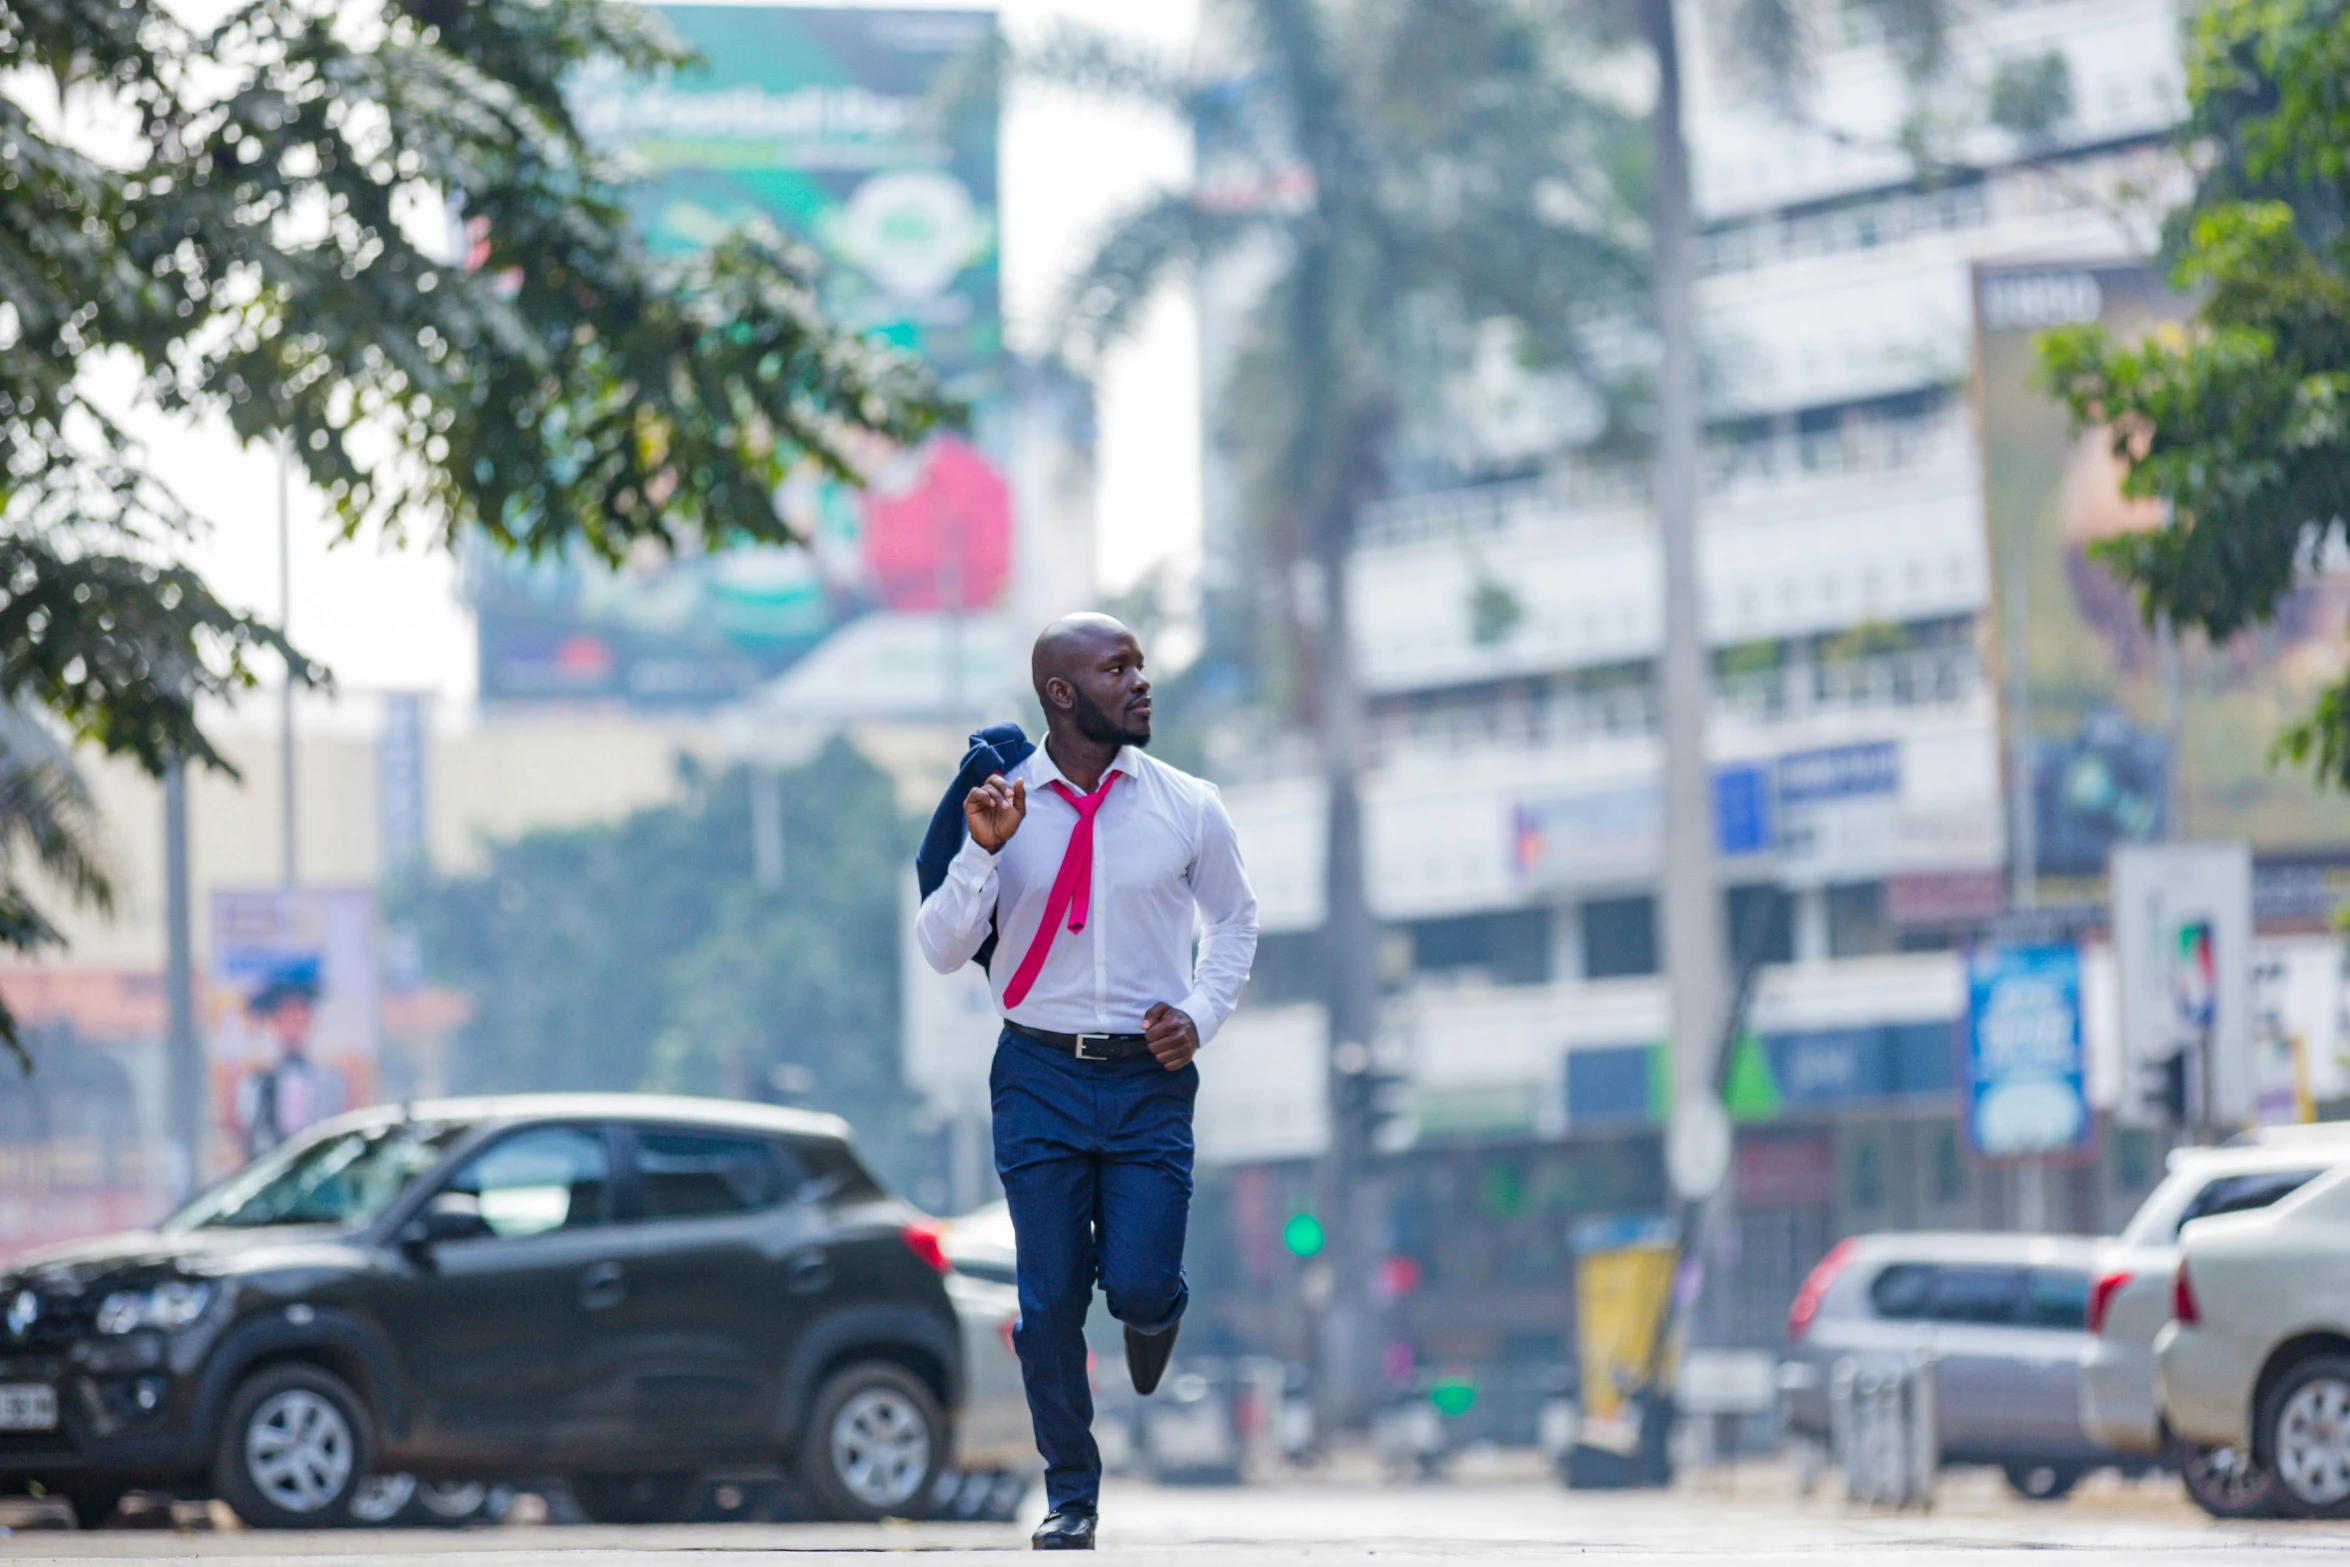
[{"x": 994, "y": 811}]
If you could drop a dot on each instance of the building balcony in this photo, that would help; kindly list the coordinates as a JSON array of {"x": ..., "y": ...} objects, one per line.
[
  {"x": 1803, "y": 535},
  {"x": 1463, "y": 821},
  {"x": 1791, "y": 694}
]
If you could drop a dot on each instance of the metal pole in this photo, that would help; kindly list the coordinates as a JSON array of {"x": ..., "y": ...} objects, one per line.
[
  {"x": 2023, "y": 826},
  {"x": 766, "y": 827},
  {"x": 184, "y": 1118},
  {"x": 1346, "y": 1382},
  {"x": 285, "y": 616},
  {"x": 2174, "y": 718},
  {"x": 1696, "y": 948},
  {"x": 2032, "y": 1195}
]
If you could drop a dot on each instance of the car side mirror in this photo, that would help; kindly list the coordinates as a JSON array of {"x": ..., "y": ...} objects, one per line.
[{"x": 448, "y": 1216}]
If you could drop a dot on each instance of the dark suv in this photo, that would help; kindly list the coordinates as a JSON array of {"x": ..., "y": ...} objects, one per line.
[{"x": 626, "y": 1292}]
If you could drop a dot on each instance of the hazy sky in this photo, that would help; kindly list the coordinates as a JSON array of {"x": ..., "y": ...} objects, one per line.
[{"x": 390, "y": 618}]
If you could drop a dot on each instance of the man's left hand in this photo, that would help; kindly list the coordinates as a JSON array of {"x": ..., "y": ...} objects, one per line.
[{"x": 1172, "y": 1036}]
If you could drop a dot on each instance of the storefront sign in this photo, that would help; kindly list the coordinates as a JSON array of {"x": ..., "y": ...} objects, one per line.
[{"x": 1786, "y": 1171}]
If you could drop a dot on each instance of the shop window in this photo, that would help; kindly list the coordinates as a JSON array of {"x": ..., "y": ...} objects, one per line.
[
  {"x": 1762, "y": 924},
  {"x": 1949, "y": 1173},
  {"x": 1867, "y": 1175},
  {"x": 1619, "y": 937},
  {"x": 1857, "y": 927},
  {"x": 1288, "y": 967},
  {"x": 1509, "y": 948},
  {"x": 2133, "y": 1158}
]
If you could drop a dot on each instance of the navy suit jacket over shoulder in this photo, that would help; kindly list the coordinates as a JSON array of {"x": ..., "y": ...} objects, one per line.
[{"x": 996, "y": 749}]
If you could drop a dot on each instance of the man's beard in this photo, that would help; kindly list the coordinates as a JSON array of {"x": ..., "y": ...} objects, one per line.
[{"x": 1097, "y": 725}]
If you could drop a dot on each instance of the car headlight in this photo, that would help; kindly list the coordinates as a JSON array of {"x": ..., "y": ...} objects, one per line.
[{"x": 169, "y": 1305}]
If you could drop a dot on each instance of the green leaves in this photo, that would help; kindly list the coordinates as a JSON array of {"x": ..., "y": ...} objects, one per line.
[
  {"x": 2031, "y": 94},
  {"x": 393, "y": 244},
  {"x": 2242, "y": 423},
  {"x": 379, "y": 234},
  {"x": 1401, "y": 172}
]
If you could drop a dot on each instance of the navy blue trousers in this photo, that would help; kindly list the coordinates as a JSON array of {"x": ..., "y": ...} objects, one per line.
[{"x": 1095, "y": 1158}]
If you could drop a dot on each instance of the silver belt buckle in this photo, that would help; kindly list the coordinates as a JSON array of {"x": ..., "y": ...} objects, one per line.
[{"x": 1083, "y": 1054}]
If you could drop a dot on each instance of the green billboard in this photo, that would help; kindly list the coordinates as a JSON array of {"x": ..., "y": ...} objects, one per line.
[{"x": 846, "y": 130}]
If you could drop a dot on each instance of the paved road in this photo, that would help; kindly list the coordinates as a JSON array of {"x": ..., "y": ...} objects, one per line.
[{"x": 1330, "y": 1525}]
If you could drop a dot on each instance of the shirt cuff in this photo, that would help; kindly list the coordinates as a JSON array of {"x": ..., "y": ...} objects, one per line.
[
  {"x": 1202, "y": 1013},
  {"x": 972, "y": 857}
]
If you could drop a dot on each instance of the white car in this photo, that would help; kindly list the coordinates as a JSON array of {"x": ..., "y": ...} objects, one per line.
[
  {"x": 2131, "y": 1300},
  {"x": 2257, "y": 1353}
]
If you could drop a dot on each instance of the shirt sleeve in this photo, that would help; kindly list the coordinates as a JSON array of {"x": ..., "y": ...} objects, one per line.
[
  {"x": 954, "y": 919},
  {"x": 1228, "y": 923}
]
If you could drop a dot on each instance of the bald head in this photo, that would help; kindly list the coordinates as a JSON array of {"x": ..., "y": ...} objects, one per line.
[
  {"x": 1087, "y": 670},
  {"x": 1071, "y": 643}
]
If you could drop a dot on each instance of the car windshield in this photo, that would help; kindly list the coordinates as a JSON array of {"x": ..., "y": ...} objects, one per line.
[
  {"x": 2190, "y": 1194},
  {"x": 343, "y": 1179}
]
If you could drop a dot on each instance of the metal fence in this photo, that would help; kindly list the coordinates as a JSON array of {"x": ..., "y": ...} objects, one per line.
[{"x": 1882, "y": 1423}]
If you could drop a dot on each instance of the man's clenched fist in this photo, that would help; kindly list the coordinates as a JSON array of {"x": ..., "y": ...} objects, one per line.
[
  {"x": 1172, "y": 1036},
  {"x": 994, "y": 811}
]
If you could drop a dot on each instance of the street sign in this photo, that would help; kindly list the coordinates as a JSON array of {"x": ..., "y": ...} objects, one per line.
[
  {"x": 1697, "y": 1148},
  {"x": 2182, "y": 940}
]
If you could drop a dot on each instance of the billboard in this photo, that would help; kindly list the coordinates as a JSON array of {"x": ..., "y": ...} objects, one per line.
[
  {"x": 828, "y": 126},
  {"x": 291, "y": 1015},
  {"x": 2105, "y": 770},
  {"x": 2025, "y": 1071}
]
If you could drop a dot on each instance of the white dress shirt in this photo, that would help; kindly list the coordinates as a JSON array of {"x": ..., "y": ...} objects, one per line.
[{"x": 1165, "y": 862}]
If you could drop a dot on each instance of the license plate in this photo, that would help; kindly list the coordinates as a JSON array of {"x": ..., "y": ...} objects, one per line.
[{"x": 27, "y": 1406}]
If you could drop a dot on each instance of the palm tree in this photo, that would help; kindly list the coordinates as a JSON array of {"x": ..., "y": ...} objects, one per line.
[
  {"x": 1445, "y": 150},
  {"x": 1429, "y": 152},
  {"x": 47, "y": 821}
]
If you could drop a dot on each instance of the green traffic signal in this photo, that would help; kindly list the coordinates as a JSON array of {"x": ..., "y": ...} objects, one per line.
[
  {"x": 1454, "y": 1395},
  {"x": 1303, "y": 1235}
]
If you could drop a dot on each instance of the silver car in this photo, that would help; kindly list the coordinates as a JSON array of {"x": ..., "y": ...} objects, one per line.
[
  {"x": 2131, "y": 1300},
  {"x": 2006, "y": 1320},
  {"x": 995, "y": 1448}
]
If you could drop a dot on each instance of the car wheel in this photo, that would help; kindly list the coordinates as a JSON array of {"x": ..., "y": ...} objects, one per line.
[
  {"x": 1010, "y": 1500},
  {"x": 874, "y": 1444},
  {"x": 979, "y": 1496},
  {"x": 2224, "y": 1481},
  {"x": 635, "y": 1498},
  {"x": 381, "y": 1499},
  {"x": 452, "y": 1504},
  {"x": 2306, "y": 1419},
  {"x": 294, "y": 1449},
  {"x": 2041, "y": 1482}
]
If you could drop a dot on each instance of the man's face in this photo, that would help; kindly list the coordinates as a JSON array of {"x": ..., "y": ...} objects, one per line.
[
  {"x": 290, "y": 1022},
  {"x": 1113, "y": 697}
]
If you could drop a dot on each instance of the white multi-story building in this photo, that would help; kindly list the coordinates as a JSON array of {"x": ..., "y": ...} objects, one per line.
[{"x": 1513, "y": 811}]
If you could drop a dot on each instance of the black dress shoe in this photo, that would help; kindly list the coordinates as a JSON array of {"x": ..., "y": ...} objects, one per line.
[
  {"x": 1146, "y": 1356},
  {"x": 1070, "y": 1529}
]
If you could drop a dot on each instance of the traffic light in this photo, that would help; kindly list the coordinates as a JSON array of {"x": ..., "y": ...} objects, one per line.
[
  {"x": 1371, "y": 1092},
  {"x": 2165, "y": 1089},
  {"x": 1303, "y": 1236}
]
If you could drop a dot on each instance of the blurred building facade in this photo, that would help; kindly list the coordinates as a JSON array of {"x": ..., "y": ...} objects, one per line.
[{"x": 1504, "y": 634}]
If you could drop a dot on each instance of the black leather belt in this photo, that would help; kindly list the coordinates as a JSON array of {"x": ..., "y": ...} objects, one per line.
[{"x": 1086, "y": 1047}]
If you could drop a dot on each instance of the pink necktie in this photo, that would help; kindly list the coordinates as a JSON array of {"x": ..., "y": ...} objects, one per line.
[{"x": 1072, "y": 886}]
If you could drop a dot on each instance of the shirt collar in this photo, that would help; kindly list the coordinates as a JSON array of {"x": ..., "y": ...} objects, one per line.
[{"x": 1042, "y": 769}]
